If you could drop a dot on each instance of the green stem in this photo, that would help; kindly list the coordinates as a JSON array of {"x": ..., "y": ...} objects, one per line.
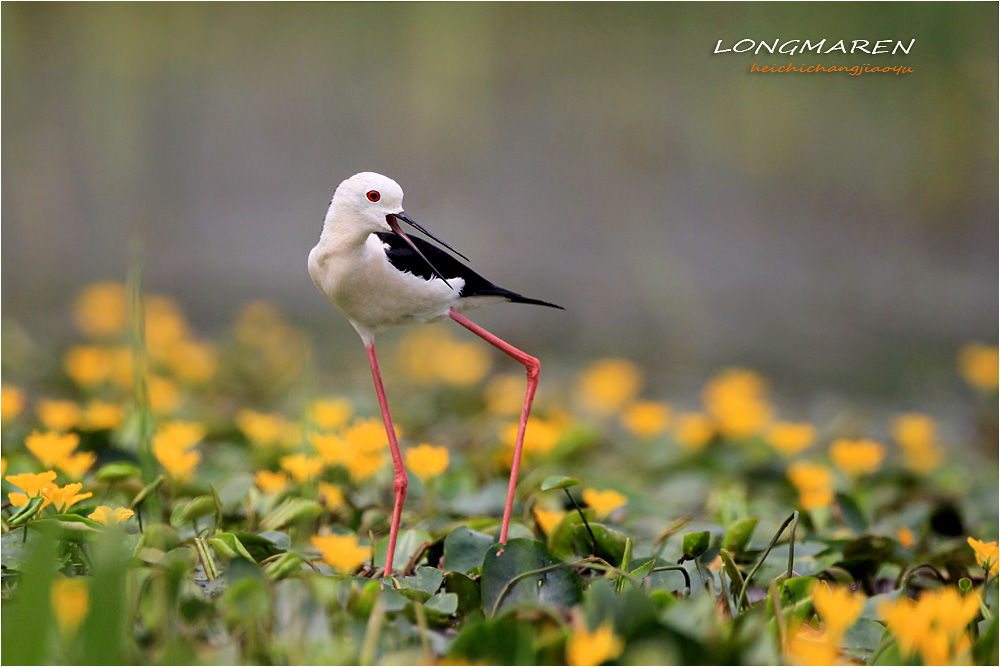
[
  {"x": 904, "y": 577},
  {"x": 678, "y": 568},
  {"x": 582, "y": 516},
  {"x": 594, "y": 562},
  {"x": 760, "y": 560}
]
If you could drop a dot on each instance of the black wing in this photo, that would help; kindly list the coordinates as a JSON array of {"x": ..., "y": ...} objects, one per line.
[{"x": 403, "y": 258}]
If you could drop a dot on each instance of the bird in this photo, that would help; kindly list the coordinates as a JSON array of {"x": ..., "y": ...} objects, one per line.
[{"x": 379, "y": 277}]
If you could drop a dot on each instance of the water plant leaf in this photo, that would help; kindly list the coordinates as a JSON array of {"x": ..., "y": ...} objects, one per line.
[
  {"x": 738, "y": 535},
  {"x": 559, "y": 482},
  {"x": 505, "y": 564},
  {"x": 694, "y": 545},
  {"x": 464, "y": 549},
  {"x": 290, "y": 512}
]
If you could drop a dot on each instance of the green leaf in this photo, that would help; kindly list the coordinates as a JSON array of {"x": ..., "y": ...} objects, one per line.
[
  {"x": 30, "y": 509},
  {"x": 694, "y": 545},
  {"x": 283, "y": 566},
  {"x": 852, "y": 514},
  {"x": 443, "y": 603},
  {"x": 738, "y": 536},
  {"x": 229, "y": 546},
  {"x": 146, "y": 490},
  {"x": 427, "y": 579},
  {"x": 118, "y": 471},
  {"x": 105, "y": 629},
  {"x": 559, "y": 482},
  {"x": 503, "y": 564},
  {"x": 610, "y": 542},
  {"x": 68, "y": 530},
  {"x": 291, "y": 512},
  {"x": 466, "y": 590},
  {"x": 408, "y": 543},
  {"x": 862, "y": 638},
  {"x": 561, "y": 536},
  {"x": 193, "y": 509},
  {"x": 985, "y": 649},
  {"x": 29, "y": 615},
  {"x": 464, "y": 549}
]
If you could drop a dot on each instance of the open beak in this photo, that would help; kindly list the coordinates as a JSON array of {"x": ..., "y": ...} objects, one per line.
[{"x": 394, "y": 224}]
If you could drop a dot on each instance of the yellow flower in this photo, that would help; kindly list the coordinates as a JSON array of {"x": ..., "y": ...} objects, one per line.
[
  {"x": 427, "y": 461},
  {"x": 164, "y": 396},
  {"x": 165, "y": 325},
  {"x": 178, "y": 462},
  {"x": 171, "y": 445},
  {"x": 51, "y": 448},
  {"x": 262, "y": 429},
  {"x": 88, "y": 365},
  {"x": 737, "y": 401},
  {"x": 429, "y": 355},
  {"x": 806, "y": 646},
  {"x": 814, "y": 483},
  {"x": 58, "y": 415},
  {"x": 101, "y": 416},
  {"x": 270, "y": 482},
  {"x": 331, "y": 448},
  {"x": 107, "y": 516},
  {"x": 32, "y": 484},
  {"x": 857, "y": 457},
  {"x": 916, "y": 434},
  {"x": 987, "y": 555},
  {"x": 540, "y": 437},
  {"x": 604, "y": 502},
  {"x": 192, "y": 361},
  {"x": 693, "y": 430},
  {"x": 11, "y": 402},
  {"x": 3, "y": 466},
  {"x": 330, "y": 414},
  {"x": 66, "y": 496},
  {"x": 790, "y": 438},
  {"x": 122, "y": 369},
  {"x": 592, "y": 648},
  {"x": 331, "y": 495},
  {"x": 905, "y": 537},
  {"x": 75, "y": 465},
  {"x": 70, "y": 601},
  {"x": 608, "y": 384},
  {"x": 646, "y": 419},
  {"x": 980, "y": 365},
  {"x": 933, "y": 626},
  {"x": 547, "y": 520},
  {"x": 366, "y": 444},
  {"x": 100, "y": 309},
  {"x": 363, "y": 467},
  {"x": 838, "y": 607},
  {"x": 303, "y": 468},
  {"x": 505, "y": 394},
  {"x": 341, "y": 552}
]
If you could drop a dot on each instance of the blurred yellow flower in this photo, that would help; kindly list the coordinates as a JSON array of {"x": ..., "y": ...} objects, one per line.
[
  {"x": 32, "y": 484},
  {"x": 330, "y": 414},
  {"x": 270, "y": 482},
  {"x": 278, "y": 350},
  {"x": 262, "y": 429},
  {"x": 75, "y": 465},
  {"x": 932, "y": 627},
  {"x": 987, "y": 555},
  {"x": 100, "y": 310},
  {"x": 838, "y": 607},
  {"x": 341, "y": 552},
  {"x": 66, "y": 496},
  {"x": 166, "y": 325},
  {"x": 608, "y": 384},
  {"x": 429, "y": 354},
  {"x": 50, "y": 447},
  {"x": 814, "y": 483},
  {"x": 790, "y": 438},
  {"x": 547, "y": 520},
  {"x": 693, "y": 430},
  {"x": 916, "y": 434},
  {"x": 540, "y": 437},
  {"x": 11, "y": 402},
  {"x": 365, "y": 443},
  {"x": 302, "y": 467},
  {"x": 122, "y": 369},
  {"x": 89, "y": 365},
  {"x": 592, "y": 648},
  {"x": 331, "y": 448},
  {"x": 110, "y": 517},
  {"x": 192, "y": 361},
  {"x": 604, "y": 502},
  {"x": 331, "y": 495},
  {"x": 426, "y": 461},
  {"x": 101, "y": 416},
  {"x": 70, "y": 601},
  {"x": 646, "y": 419},
  {"x": 363, "y": 467},
  {"x": 806, "y": 646},
  {"x": 58, "y": 415},
  {"x": 736, "y": 399},
  {"x": 905, "y": 537},
  {"x": 3, "y": 466},
  {"x": 979, "y": 364},
  {"x": 164, "y": 396},
  {"x": 856, "y": 457},
  {"x": 171, "y": 445},
  {"x": 505, "y": 394}
]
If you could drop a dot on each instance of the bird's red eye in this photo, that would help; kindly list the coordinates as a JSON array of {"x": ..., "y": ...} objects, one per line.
[{"x": 373, "y": 195}]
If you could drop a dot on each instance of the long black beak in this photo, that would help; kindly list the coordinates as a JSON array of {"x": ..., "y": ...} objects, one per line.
[
  {"x": 394, "y": 224},
  {"x": 402, "y": 216}
]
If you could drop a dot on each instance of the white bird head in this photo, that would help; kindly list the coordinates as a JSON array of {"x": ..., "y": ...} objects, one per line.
[{"x": 370, "y": 203}]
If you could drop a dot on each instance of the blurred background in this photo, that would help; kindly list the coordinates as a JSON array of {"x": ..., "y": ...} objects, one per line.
[{"x": 831, "y": 231}]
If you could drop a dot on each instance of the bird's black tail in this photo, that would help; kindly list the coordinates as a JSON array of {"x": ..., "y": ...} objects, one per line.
[{"x": 514, "y": 297}]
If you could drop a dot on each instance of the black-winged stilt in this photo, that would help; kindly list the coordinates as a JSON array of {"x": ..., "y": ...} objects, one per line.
[{"x": 379, "y": 277}]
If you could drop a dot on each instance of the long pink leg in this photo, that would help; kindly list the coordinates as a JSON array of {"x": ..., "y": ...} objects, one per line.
[
  {"x": 400, "y": 481},
  {"x": 532, "y": 366}
]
